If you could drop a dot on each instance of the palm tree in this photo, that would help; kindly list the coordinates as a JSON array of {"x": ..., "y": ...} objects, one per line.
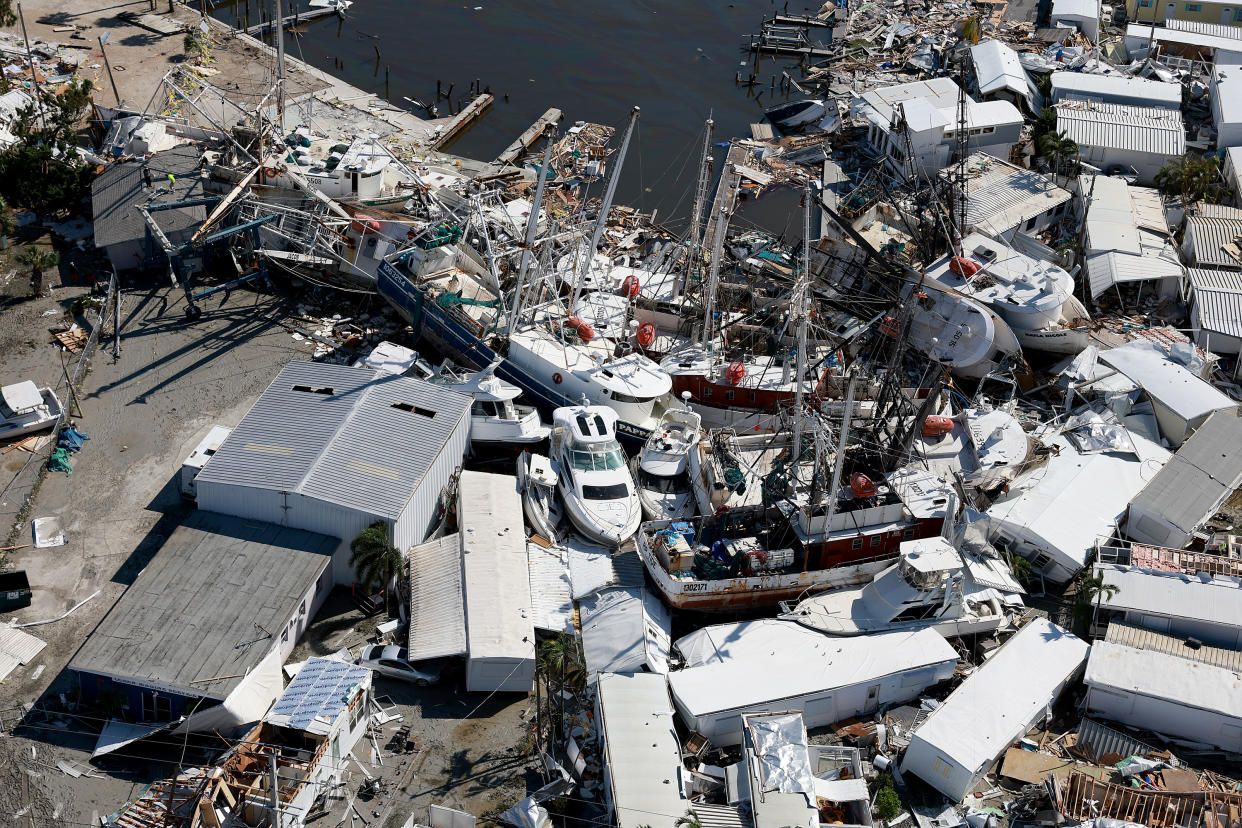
[
  {"x": 37, "y": 260},
  {"x": 1092, "y": 590},
  {"x": 690, "y": 820},
  {"x": 971, "y": 29},
  {"x": 8, "y": 224},
  {"x": 1057, "y": 148},
  {"x": 1191, "y": 178},
  {"x": 375, "y": 559},
  {"x": 561, "y": 659}
]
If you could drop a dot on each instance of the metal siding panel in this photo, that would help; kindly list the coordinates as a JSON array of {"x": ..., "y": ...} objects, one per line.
[
  {"x": 437, "y": 602},
  {"x": 1141, "y": 129}
]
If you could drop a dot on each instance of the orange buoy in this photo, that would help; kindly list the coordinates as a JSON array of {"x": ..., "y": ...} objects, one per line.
[
  {"x": 861, "y": 485},
  {"x": 646, "y": 334},
  {"x": 889, "y": 327},
  {"x": 630, "y": 287},
  {"x": 365, "y": 224},
  {"x": 937, "y": 426},
  {"x": 735, "y": 373},
  {"x": 963, "y": 267},
  {"x": 585, "y": 332}
]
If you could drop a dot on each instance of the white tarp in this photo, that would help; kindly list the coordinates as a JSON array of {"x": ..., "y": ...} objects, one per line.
[
  {"x": 117, "y": 734},
  {"x": 780, "y": 747},
  {"x": 1094, "y": 431},
  {"x": 249, "y": 702}
]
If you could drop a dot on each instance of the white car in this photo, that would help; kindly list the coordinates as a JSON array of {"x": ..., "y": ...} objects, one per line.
[{"x": 393, "y": 661}]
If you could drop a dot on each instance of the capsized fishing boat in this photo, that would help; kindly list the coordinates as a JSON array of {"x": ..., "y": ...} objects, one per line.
[
  {"x": 956, "y": 330},
  {"x": 1034, "y": 297},
  {"x": 662, "y": 468},
  {"x": 931, "y": 585},
  {"x": 987, "y": 447},
  {"x": 593, "y": 477}
]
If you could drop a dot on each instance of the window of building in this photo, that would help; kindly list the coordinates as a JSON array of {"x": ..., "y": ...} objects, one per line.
[
  {"x": 1030, "y": 225},
  {"x": 857, "y": 544},
  {"x": 1237, "y": 15},
  {"x": 989, "y": 130},
  {"x": 156, "y": 708},
  {"x": 302, "y": 611},
  {"x": 729, "y": 394},
  {"x": 876, "y": 540},
  {"x": 1144, "y": 4},
  {"x": 1194, "y": 7},
  {"x": 908, "y": 534}
]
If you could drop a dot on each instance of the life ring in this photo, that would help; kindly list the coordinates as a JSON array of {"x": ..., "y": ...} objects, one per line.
[
  {"x": 270, "y": 172},
  {"x": 557, "y": 378}
]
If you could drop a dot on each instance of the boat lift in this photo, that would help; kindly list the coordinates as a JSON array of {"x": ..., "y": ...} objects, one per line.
[{"x": 179, "y": 255}]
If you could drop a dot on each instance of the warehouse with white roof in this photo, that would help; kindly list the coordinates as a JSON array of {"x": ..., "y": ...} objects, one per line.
[
  {"x": 1137, "y": 140},
  {"x": 963, "y": 738},
  {"x": 1187, "y": 606},
  {"x": 1115, "y": 89},
  {"x": 334, "y": 449}
]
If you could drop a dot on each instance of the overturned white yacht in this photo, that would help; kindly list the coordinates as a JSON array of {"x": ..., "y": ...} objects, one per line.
[
  {"x": 958, "y": 331},
  {"x": 932, "y": 585},
  {"x": 1033, "y": 296}
]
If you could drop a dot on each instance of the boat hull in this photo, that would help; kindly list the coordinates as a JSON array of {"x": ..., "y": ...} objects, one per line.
[{"x": 1068, "y": 341}]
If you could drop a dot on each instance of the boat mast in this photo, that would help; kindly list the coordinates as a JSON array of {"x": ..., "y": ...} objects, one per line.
[
  {"x": 713, "y": 275},
  {"x": 694, "y": 239},
  {"x": 532, "y": 226},
  {"x": 279, "y": 36},
  {"x": 606, "y": 206},
  {"x": 840, "y": 458},
  {"x": 799, "y": 308}
]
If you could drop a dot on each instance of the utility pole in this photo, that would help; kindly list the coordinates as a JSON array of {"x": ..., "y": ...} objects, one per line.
[
  {"x": 103, "y": 39},
  {"x": 34, "y": 78}
]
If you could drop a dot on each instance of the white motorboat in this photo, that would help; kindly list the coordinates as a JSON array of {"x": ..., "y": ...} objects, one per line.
[
  {"x": 25, "y": 408},
  {"x": 496, "y": 420},
  {"x": 338, "y": 6},
  {"x": 958, "y": 331},
  {"x": 391, "y": 358},
  {"x": 1033, "y": 296},
  {"x": 593, "y": 477},
  {"x": 932, "y": 585},
  {"x": 537, "y": 483},
  {"x": 662, "y": 468}
]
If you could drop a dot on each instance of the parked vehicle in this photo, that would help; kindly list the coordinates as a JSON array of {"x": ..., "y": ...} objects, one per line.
[{"x": 393, "y": 661}]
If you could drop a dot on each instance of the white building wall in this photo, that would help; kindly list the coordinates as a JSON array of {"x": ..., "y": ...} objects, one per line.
[
  {"x": 1166, "y": 716},
  {"x": 1217, "y": 343},
  {"x": 1144, "y": 164},
  {"x": 422, "y": 513}
]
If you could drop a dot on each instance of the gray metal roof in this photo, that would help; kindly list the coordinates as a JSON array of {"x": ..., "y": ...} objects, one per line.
[
  {"x": 118, "y": 190},
  {"x": 1205, "y": 236},
  {"x": 1141, "y": 639},
  {"x": 1217, "y": 296},
  {"x": 355, "y": 437},
  {"x": 437, "y": 603},
  {"x": 1001, "y": 195},
  {"x": 205, "y": 605},
  {"x": 550, "y": 599},
  {"x": 1191, "y": 486},
  {"x": 1190, "y": 597},
  {"x": 1117, "y": 126}
]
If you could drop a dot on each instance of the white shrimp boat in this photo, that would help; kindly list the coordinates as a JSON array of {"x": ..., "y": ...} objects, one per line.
[
  {"x": 662, "y": 468},
  {"x": 593, "y": 477},
  {"x": 958, "y": 331},
  {"x": 932, "y": 585},
  {"x": 1034, "y": 297},
  {"x": 25, "y": 408}
]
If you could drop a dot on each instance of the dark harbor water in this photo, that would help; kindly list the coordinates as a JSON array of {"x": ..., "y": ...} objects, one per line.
[{"x": 594, "y": 60}]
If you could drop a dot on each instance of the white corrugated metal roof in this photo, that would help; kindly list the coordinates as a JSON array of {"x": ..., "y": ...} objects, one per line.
[
  {"x": 1110, "y": 268},
  {"x": 1141, "y": 639},
  {"x": 549, "y": 588},
  {"x": 1162, "y": 676},
  {"x": 993, "y": 707},
  {"x": 1223, "y": 211},
  {"x": 1002, "y": 196},
  {"x": 17, "y": 647},
  {"x": 1164, "y": 380},
  {"x": 641, "y": 750},
  {"x": 493, "y": 543},
  {"x": 1206, "y": 238},
  {"x": 437, "y": 603},
  {"x": 1219, "y": 310},
  {"x": 593, "y": 567},
  {"x": 1137, "y": 35},
  {"x": 354, "y": 437},
  {"x": 1215, "y": 29},
  {"x": 1134, "y": 128},
  {"x": 997, "y": 67},
  {"x": 1207, "y": 278}
]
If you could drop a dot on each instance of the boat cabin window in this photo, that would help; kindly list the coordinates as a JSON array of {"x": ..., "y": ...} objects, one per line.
[
  {"x": 483, "y": 408},
  {"x": 677, "y": 484},
  {"x": 603, "y": 457},
  {"x": 917, "y": 579},
  {"x": 626, "y": 398},
  {"x": 617, "y": 491}
]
